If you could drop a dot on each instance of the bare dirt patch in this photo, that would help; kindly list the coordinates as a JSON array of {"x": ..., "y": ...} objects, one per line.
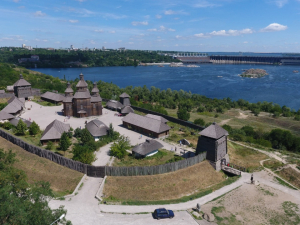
[
  {"x": 245, "y": 157},
  {"x": 250, "y": 204},
  {"x": 62, "y": 180},
  {"x": 164, "y": 186}
]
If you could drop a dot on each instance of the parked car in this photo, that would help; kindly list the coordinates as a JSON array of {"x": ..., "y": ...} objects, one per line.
[{"x": 162, "y": 213}]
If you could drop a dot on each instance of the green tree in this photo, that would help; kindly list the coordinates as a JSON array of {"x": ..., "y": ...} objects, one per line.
[
  {"x": 49, "y": 145},
  {"x": 86, "y": 136},
  {"x": 21, "y": 127},
  {"x": 34, "y": 128},
  {"x": 199, "y": 121},
  {"x": 118, "y": 148},
  {"x": 23, "y": 203},
  {"x": 84, "y": 154},
  {"x": 77, "y": 132},
  {"x": 64, "y": 142},
  {"x": 183, "y": 114}
]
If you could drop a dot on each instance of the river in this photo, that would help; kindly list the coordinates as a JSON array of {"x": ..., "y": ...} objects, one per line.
[{"x": 215, "y": 81}]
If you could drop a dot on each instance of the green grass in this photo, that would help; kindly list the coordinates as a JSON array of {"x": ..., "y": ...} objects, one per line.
[
  {"x": 273, "y": 164},
  {"x": 200, "y": 194},
  {"x": 224, "y": 220},
  {"x": 290, "y": 216},
  {"x": 162, "y": 157},
  {"x": 282, "y": 182}
]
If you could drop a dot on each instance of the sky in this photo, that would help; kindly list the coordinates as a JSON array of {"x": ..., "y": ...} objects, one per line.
[{"x": 175, "y": 25}]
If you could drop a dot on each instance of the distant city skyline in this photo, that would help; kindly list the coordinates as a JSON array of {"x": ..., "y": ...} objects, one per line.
[{"x": 171, "y": 25}]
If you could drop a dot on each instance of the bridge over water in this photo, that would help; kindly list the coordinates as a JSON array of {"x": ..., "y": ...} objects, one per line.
[{"x": 197, "y": 57}]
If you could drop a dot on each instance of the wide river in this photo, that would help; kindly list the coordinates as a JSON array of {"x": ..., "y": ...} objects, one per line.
[{"x": 215, "y": 81}]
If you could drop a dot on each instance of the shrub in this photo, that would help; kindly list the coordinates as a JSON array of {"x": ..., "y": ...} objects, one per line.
[
  {"x": 86, "y": 136},
  {"x": 199, "y": 121},
  {"x": 237, "y": 137},
  {"x": 49, "y": 145},
  {"x": 228, "y": 128},
  {"x": 216, "y": 115},
  {"x": 118, "y": 148},
  {"x": 183, "y": 114},
  {"x": 77, "y": 133},
  {"x": 21, "y": 127},
  {"x": 7, "y": 125},
  {"x": 83, "y": 154},
  {"x": 64, "y": 142},
  {"x": 201, "y": 109},
  {"x": 34, "y": 128}
]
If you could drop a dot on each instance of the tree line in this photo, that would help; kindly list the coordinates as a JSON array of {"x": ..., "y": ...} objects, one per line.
[{"x": 63, "y": 58}]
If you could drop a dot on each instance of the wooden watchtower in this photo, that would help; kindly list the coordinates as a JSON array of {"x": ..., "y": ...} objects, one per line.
[{"x": 213, "y": 141}]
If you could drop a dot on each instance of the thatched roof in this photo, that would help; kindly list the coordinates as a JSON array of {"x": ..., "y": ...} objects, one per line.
[
  {"x": 14, "y": 105},
  {"x": 54, "y": 130},
  {"x": 147, "y": 147},
  {"x": 68, "y": 99},
  {"x": 147, "y": 123},
  {"x": 113, "y": 104},
  {"x": 15, "y": 121},
  {"x": 53, "y": 96},
  {"x": 127, "y": 109},
  {"x": 214, "y": 131},
  {"x": 2, "y": 91},
  {"x": 5, "y": 116},
  {"x": 21, "y": 82},
  {"x": 160, "y": 118},
  {"x": 97, "y": 128}
]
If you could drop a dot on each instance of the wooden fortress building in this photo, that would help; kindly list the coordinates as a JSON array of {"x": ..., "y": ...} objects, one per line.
[
  {"x": 213, "y": 141},
  {"x": 82, "y": 103}
]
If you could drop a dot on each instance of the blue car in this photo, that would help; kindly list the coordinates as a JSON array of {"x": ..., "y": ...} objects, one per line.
[{"x": 162, "y": 213}]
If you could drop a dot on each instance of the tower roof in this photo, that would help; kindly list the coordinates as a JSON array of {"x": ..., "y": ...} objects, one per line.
[
  {"x": 81, "y": 82},
  {"x": 95, "y": 88},
  {"x": 214, "y": 131},
  {"x": 124, "y": 95},
  {"x": 69, "y": 89},
  {"x": 21, "y": 82}
]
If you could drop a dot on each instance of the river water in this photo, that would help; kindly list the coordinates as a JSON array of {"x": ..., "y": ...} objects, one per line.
[{"x": 215, "y": 81}]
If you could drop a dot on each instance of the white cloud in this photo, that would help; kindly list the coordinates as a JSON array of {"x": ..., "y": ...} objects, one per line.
[
  {"x": 57, "y": 42},
  {"x": 218, "y": 33},
  {"x": 92, "y": 42},
  {"x": 245, "y": 42},
  {"x": 274, "y": 27},
  {"x": 158, "y": 16},
  {"x": 99, "y": 31},
  {"x": 161, "y": 29},
  {"x": 80, "y": 0},
  {"x": 201, "y": 35},
  {"x": 231, "y": 32},
  {"x": 131, "y": 43},
  {"x": 16, "y": 1},
  {"x": 73, "y": 21},
  {"x": 21, "y": 7},
  {"x": 171, "y": 12},
  {"x": 112, "y": 32},
  {"x": 280, "y": 3},
  {"x": 39, "y": 14},
  {"x": 135, "y": 23}
]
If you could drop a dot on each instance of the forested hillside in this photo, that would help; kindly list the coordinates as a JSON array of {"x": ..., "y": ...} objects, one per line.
[{"x": 64, "y": 58}]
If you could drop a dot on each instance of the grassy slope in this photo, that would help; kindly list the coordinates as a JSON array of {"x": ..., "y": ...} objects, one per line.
[
  {"x": 185, "y": 182},
  {"x": 245, "y": 157},
  {"x": 63, "y": 180}
]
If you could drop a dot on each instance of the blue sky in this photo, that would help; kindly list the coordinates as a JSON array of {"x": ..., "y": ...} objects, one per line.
[{"x": 179, "y": 25}]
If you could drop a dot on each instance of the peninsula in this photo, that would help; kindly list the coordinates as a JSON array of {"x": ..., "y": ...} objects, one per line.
[{"x": 254, "y": 73}]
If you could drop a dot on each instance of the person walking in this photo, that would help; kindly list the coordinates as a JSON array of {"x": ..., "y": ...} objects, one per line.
[{"x": 252, "y": 178}]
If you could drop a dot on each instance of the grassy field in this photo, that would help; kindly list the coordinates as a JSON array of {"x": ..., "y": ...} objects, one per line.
[
  {"x": 182, "y": 185},
  {"x": 158, "y": 159},
  {"x": 238, "y": 118},
  {"x": 63, "y": 180},
  {"x": 290, "y": 175},
  {"x": 245, "y": 157}
]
